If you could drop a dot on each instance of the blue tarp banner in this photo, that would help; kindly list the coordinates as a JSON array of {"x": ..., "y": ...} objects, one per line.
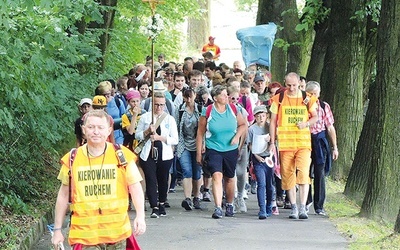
[{"x": 257, "y": 43}]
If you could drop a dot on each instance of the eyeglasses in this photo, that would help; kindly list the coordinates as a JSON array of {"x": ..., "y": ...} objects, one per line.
[
  {"x": 235, "y": 98},
  {"x": 159, "y": 105}
]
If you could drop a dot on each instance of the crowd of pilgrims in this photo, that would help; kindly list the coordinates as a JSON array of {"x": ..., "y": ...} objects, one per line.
[{"x": 182, "y": 93}]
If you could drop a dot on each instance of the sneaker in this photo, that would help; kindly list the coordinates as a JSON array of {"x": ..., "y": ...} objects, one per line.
[
  {"x": 294, "y": 214},
  {"x": 302, "y": 213},
  {"x": 155, "y": 213},
  {"x": 241, "y": 205},
  {"x": 275, "y": 211},
  {"x": 287, "y": 205},
  {"x": 196, "y": 203},
  {"x": 187, "y": 204},
  {"x": 262, "y": 215},
  {"x": 269, "y": 211},
  {"x": 163, "y": 213},
  {"x": 253, "y": 188},
  {"x": 308, "y": 206},
  {"x": 171, "y": 190},
  {"x": 166, "y": 204},
  {"x": 217, "y": 213},
  {"x": 229, "y": 210},
  {"x": 245, "y": 196},
  {"x": 321, "y": 212},
  {"x": 279, "y": 202},
  {"x": 206, "y": 196}
]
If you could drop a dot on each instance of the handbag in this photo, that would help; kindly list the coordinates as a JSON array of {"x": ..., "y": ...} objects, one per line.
[{"x": 141, "y": 144}]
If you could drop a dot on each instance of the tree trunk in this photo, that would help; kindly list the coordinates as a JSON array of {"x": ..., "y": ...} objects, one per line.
[
  {"x": 356, "y": 184},
  {"x": 321, "y": 41},
  {"x": 283, "y": 60},
  {"x": 199, "y": 29},
  {"x": 342, "y": 79},
  {"x": 108, "y": 22},
  {"x": 382, "y": 197},
  {"x": 397, "y": 224}
]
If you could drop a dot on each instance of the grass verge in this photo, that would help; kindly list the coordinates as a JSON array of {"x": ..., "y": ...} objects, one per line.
[{"x": 362, "y": 233}]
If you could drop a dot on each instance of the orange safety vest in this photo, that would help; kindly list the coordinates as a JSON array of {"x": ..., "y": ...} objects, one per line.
[
  {"x": 99, "y": 201},
  {"x": 291, "y": 111}
]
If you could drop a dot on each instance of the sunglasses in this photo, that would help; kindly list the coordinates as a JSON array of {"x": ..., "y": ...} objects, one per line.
[{"x": 234, "y": 98}]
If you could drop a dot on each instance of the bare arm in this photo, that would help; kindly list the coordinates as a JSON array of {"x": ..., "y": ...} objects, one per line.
[
  {"x": 241, "y": 129},
  {"x": 272, "y": 132},
  {"x": 199, "y": 138},
  {"x": 136, "y": 192},
  {"x": 61, "y": 210},
  {"x": 332, "y": 135}
]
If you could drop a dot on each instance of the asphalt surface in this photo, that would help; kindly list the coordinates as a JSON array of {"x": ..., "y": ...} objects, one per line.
[{"x": 182, "y": 229}]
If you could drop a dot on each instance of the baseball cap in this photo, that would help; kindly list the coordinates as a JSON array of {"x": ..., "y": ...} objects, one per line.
[
  {"x": 260, "y": 109},
  {"x": 258, "y": 78},
  {"x": 211, "y": 37},
  {"x": 85, "y": 100},
  {"x": 99, "y": 101}
]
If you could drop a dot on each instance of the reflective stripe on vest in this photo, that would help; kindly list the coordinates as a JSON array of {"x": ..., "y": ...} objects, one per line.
[
  {"x": 290, "y": 137},
  {"x": 99, "y": 200}
]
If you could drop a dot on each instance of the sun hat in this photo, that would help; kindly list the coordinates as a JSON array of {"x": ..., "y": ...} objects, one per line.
[
  {"x": 99, "y": 101},
  {"x": 85, "y": 100}
]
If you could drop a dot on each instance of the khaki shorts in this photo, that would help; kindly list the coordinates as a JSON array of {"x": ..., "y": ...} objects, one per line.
[
  {"x": 121, "y": 245},
  {"x": 295, "y": 167}
]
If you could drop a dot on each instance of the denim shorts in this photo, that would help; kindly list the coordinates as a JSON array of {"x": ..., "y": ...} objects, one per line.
[
  {"x": 224, "y": 162},
  {"x": 189, "y": 165}
]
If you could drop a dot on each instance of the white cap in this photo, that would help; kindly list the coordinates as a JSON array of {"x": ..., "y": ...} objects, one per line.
[{"x": 85, "y": 100}]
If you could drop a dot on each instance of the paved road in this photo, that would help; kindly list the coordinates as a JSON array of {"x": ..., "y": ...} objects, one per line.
[{"x": 197, "y": 230}]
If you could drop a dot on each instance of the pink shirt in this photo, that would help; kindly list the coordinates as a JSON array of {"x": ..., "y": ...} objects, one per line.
[{"x": 325, "y": 119}]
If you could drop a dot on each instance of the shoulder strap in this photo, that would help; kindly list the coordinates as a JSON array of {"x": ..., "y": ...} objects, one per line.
[
  {"x": 208, "y": 110},
  {"x": 233, "y": 107},
  {"x": 180, "y": 113},
  {"x": 244, "y": 101},
  {"x": 72, "y": 155},
  {"x": 147, "y": 104},
  {"x": 117, "y": 101},
  {"x": 169, "y": 106},
  {"x": 322, "y": 104}
]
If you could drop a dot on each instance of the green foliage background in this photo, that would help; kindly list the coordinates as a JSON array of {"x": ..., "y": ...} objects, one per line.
[{"x": 46, "y": 67}]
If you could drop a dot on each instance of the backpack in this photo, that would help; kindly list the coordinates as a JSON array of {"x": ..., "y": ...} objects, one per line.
[
  {"x": 282, "y": 94},
  {"x": 209, "y": 108},
  {"x": 199, "y": 108},
  {"x": 119, "y": 154}
]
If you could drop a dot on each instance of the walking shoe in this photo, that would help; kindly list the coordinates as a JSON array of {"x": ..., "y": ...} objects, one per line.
[
  {"x": 262, "y": 215},
  {"x": 279, "y": 201},
  {"x": 245, "y": 196},
  {"x": 229, "y": 210},
  {"x": 187, "y": 204},
  {"x": 253, "y": 188},
  {"x": 242, "y": 205},
  {"x": 217, "y": 213},
  {"x": 166, "y": 204},
  {"x": 321, "y": 212},
  {"x": 268, "y": 211},
  {"x": 196, "y": 203},
  {"x": 308, "y": 206},
  {"x": 294, "y": 214},
  {"x": 287, "y": 205},
  {"x": 275, "y": 211},
  {"x": 172, "y": 190},
  {"x": 163, "y": 213},
  {"x": 206, "y": 196},
  {"x": 155, "y": 213},
  {"x": 302, "y": 213}
]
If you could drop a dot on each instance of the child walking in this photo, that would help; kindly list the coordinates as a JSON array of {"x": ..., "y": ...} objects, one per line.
[{"x": 262, "y": 160}]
